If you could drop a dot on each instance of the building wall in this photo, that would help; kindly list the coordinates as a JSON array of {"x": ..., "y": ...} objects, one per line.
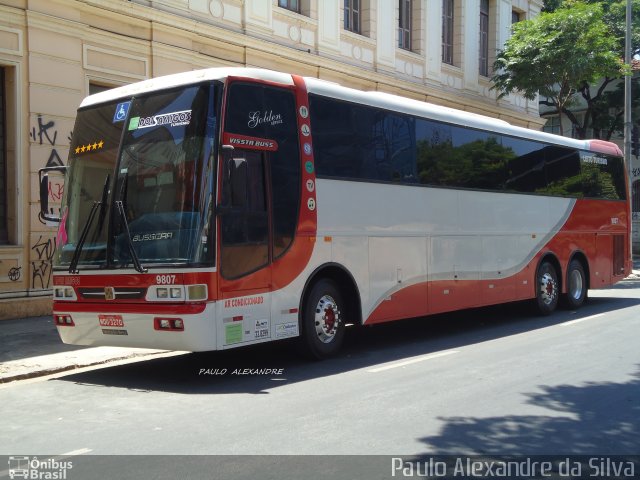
[{"x": 54, "y": 51}]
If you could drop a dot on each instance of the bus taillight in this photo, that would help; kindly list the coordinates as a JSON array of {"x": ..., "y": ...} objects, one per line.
[{"x": 64, "y": 320}]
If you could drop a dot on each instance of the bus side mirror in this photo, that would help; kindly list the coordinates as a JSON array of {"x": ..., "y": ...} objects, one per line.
[
  {"x": 43, "y": 175},
  {"x": 238, "y": 182}
]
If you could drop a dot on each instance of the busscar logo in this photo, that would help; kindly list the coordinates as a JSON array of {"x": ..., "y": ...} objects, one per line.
[
  {"x": 152, "y": 236},
  {"x": 48, "y": 469}
]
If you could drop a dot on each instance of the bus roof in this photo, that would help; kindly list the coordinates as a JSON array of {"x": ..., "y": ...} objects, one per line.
[
  {"x": 185, "y": 78},
  {"x": 372, "y": 98}
]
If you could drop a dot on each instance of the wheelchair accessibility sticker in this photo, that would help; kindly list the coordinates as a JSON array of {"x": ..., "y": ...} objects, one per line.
[{"x": 122, "y": 109}]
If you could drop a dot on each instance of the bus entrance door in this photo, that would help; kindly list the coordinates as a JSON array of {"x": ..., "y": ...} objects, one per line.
[{"x": 244, "y": 226}]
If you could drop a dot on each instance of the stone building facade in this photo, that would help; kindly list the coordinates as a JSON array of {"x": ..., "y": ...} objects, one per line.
[{"x": 55, "y": 52}]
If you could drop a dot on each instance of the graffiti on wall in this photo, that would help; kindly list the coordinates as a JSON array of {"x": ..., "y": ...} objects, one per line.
[
  {"x": 41, "y": 262},
  {"x": 45, "y": 133},
  {"x": 10, "y": 269},
  {"x": 14, "y": 273}
]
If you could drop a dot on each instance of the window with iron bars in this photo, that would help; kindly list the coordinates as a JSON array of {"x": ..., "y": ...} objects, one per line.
[
  {"x": 447, "y": 31},
  {"x": 293, "y": 5},
  {"x": 352, "y": 15},
  {"x": 484, "y": 38},
  {"x": 404, "y": 24}
]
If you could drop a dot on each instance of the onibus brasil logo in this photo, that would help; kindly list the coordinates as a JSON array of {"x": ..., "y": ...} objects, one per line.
[{"x": 32, "y": 468}]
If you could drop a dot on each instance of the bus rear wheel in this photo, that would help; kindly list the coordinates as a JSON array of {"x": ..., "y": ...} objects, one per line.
[
  {"x": 547, "y": 288},
  {"x": 321, "y": 322},
  {"x": 576, "y": 285}
]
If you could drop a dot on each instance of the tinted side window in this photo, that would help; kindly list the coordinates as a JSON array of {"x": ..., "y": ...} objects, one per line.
[
  {"x": 384, "y": 145},
  {"x": 334, "y": 138},
  {"x": 526, "y": 168},
  {"x": 602, "y": 176},
  {"x": 480, "y": 159},
  {"x": 434, "y": 145},
  {"x": 562, "y": 168},
  {"x": 361, "y": 142},
  {"x": 366, "y": 143},
  {"x": 396, "y": 140},
  {"x": 460, "y": 157}
]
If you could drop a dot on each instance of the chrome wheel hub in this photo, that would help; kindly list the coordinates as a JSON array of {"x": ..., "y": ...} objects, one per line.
[
  {"x": 327, "y": 319},
  {"x": 548, "y": 289}
]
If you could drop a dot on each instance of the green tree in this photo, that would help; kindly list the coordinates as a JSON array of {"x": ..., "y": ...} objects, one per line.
[{"x": 563, "y": 54}]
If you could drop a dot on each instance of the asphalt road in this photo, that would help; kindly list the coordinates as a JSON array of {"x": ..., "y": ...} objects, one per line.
[{"x": 494, "y": 381}]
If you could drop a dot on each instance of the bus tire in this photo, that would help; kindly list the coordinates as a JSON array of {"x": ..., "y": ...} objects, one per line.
[
  {"x": 576, "y": 286},
  {"x": 321, "y": 322},
  {"x": 547, "y": 288}
]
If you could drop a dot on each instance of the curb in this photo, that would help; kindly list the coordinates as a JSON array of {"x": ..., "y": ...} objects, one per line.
[{"x": 41, "y": 366}]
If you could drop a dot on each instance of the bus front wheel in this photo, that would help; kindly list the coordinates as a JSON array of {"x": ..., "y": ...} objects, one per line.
[
  {"x": 322, "y": 320},
  {"x": 547, "y": 288}
]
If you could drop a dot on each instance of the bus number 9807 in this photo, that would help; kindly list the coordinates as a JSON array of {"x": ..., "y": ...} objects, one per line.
[{"x": 165, "y": 279}]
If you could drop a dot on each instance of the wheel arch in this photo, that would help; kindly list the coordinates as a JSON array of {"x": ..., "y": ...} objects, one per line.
[{"x": 345, "y": 282}]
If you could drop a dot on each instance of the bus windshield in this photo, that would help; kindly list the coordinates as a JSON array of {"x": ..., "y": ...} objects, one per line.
[{"x": 140, "y": 183}]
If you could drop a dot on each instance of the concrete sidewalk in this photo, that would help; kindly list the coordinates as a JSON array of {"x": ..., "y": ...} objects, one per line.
[{"x": 31, "y": 347}]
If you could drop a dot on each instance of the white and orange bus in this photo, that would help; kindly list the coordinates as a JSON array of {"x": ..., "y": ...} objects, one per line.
[{"x": 230, "y": 206}]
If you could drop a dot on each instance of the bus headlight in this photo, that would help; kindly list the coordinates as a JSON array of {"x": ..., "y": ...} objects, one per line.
[
  {"x": 172, "y": 293},
  {"x": 64, "y": 293}
]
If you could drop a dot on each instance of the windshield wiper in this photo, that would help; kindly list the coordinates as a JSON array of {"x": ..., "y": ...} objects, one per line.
[
  {"x": 103, "y": 205},
  {"x": 73, "y": 265},
  {"x": 83, "y": 237},
  {"x": 134, "y": 256}
]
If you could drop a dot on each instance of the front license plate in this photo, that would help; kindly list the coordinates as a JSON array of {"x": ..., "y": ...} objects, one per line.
[{"x": 111, "y": 320}]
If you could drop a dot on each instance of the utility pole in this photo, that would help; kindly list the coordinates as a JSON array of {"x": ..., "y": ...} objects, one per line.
[{"x": 627, "y": 108}]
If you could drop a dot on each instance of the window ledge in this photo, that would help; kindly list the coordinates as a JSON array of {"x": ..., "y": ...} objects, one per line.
[
  {"x": 299, "y": 17},
  {"x": 409, "y": 54},
  {"x": 356, "y": 37}
]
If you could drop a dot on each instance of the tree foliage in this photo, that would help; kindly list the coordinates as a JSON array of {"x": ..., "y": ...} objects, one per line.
[{"x": 573, "y": 50}]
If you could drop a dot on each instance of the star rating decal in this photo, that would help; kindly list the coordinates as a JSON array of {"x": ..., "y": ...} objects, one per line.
[{"x": 89, "y": 147}]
